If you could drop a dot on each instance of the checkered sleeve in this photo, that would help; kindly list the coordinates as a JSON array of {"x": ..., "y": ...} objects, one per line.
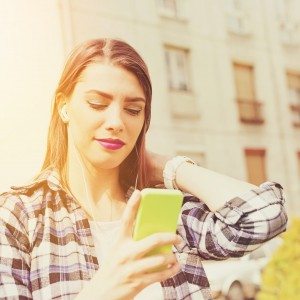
[
  {"x": 14, "y": 254},
  {"x": 240, "y": 226}
]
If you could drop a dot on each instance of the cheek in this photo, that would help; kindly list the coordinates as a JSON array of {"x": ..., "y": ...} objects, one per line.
[
  {"x": 84, "y": 121},
  {"x": 133, "y": 132},
  {"x": 137, "y": 128},
  {"x": 80, "y": 130}
]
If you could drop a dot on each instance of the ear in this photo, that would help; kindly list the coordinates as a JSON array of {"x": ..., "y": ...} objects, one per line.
[{"x": 62, "y": 107}]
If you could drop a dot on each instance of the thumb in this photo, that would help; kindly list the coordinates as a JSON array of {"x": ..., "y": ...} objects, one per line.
[{"x": 130, "y": 212}]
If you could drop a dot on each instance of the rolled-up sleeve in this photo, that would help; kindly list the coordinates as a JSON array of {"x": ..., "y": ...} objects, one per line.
[
  {"x": 14, "y": 256},
  {"x": 240, "y": 226}
]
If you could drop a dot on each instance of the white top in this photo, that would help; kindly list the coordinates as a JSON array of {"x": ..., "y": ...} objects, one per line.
[{"x": 103, "y": 234}]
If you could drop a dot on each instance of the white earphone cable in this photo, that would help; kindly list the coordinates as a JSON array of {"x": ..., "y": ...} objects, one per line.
[{"x": 80, "y": 161}]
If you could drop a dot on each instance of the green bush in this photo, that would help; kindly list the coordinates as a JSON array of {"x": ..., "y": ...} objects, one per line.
[{"x": 281, "y": 276}]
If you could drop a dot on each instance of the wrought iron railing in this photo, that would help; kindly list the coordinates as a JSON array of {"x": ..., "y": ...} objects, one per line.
[{"x": 250, "y": 111}]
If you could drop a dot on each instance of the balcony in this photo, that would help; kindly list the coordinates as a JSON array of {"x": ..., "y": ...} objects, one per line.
[
  {"x": 250, "y": 111},
  {"x": 295, "y": 109}
]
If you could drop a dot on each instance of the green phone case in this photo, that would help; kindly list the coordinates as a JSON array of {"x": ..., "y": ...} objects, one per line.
[{"x": 158, "y": 212}]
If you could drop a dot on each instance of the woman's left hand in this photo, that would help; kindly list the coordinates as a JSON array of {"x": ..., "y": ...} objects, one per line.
[{"x": 156, "y": 163}]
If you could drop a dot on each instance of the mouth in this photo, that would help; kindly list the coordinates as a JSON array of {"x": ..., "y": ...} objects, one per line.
[{"x": 111, "y": 144}]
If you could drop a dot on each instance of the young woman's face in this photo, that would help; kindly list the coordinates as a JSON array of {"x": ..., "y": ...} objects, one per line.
[{"x": 106, "y": 114}]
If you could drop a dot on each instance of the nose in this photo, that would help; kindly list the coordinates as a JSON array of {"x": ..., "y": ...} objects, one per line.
[{"x": 113, "y": 117}]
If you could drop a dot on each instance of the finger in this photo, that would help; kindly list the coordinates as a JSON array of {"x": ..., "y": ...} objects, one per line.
[
  {"x": 151, "y": 263},
  {"x": 130, "y": 212},
  {"x": 149, "y": 243},
  {"x": 148, "y": 279}
]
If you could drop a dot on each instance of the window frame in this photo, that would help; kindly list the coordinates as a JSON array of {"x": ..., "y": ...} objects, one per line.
[
  {"x": 261, "y": 152},
  {"x": 172, "y": 67},
  {"x": 177, "y": 13}
]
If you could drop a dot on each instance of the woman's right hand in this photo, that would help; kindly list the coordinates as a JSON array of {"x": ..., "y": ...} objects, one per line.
[{"x": 127, "y": 269}]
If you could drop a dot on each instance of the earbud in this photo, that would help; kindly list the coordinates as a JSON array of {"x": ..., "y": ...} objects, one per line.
[{"x": 64, "y": 114}]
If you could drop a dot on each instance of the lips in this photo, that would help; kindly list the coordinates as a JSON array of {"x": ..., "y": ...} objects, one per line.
[{"x": 111, "y": 144}]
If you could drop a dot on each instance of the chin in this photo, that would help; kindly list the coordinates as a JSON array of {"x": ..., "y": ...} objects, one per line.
[
  {"x": 105, "y": 160},
  {"x": 106, "y": 163}
]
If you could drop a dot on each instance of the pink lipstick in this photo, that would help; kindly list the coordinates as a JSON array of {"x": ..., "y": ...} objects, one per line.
[{"x": 111, "y": 144}]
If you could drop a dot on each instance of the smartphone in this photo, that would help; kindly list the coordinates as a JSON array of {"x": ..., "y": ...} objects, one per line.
[{"x": 158, "y": 212}]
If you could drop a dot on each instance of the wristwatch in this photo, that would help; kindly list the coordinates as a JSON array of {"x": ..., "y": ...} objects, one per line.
[{"x": 170, "y": 169}]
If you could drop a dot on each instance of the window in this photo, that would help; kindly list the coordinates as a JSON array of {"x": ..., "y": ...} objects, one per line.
[
  {"x": 237, "y": 19},
  {"x": 171, "y": 8},
  {"x": 249, "y": 107},
  {"x": 232, "y": 5},
  {"x": 294, "y": 97},
  {"x": 244, "y": 78},
  {"x": 289, "y": 21},
  {"x": 255, "y": 160},
  {"x": 177, "y": 68}
]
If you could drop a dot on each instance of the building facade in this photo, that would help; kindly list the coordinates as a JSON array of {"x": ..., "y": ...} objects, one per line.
[
  {"x": 226, "y": 79},
  {"x": 225, "y": 74}
]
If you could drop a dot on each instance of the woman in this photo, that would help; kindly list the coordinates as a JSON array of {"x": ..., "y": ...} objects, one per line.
[{"x": 67, "y": 234}]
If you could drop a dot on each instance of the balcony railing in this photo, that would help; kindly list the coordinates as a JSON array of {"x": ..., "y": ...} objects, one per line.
[
  {"x": 295, "y": 108},
  {"x": 250, "y": 111}
]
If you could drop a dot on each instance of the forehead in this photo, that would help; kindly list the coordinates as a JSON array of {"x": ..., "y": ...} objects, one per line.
[{"x": 108, "y": 77}]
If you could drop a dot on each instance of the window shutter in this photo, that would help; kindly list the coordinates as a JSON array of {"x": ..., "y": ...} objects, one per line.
[
  {"x": 255, "y": 160},
  {"x": 244, "y": 79}
]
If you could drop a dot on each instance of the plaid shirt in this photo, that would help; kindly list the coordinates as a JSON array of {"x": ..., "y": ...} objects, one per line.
[{"x": 47, "y": 250}]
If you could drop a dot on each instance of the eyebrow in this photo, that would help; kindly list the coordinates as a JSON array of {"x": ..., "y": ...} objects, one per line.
[{"x": 109, "y": 96}]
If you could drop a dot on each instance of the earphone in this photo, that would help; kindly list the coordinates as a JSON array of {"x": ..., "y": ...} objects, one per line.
[
  {"x": 137, "y": 175},
  {"x": 64, "y": 114}
]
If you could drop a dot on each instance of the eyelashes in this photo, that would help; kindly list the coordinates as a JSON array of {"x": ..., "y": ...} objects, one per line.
[
  {"x": 97, "y": 106},
  {"x": 130, "y": 111},
  {"x": 134, "y": 112}
]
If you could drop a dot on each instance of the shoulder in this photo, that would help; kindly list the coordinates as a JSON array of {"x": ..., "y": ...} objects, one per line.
[
  {"x": 18, "y": 208},
  {"x": 25, "y": 202},
  {"x": 11, "y": 203},
  {"x": 13, "y": 221},
  {"x": 24, "y": 209},
  {"x": 20, "y": 203}
]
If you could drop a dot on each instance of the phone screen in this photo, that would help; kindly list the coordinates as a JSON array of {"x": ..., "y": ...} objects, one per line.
[{"x": 158, "y": 212}]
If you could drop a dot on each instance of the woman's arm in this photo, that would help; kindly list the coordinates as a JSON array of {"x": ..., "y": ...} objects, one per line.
[
  {"x": 241, "y": 225},
  {"x": 211, "y": 187},
  {"x": 225, "y": 217}
]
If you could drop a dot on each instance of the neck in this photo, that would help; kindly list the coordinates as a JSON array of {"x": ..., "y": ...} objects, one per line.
[{"x": 98, "y": 191}]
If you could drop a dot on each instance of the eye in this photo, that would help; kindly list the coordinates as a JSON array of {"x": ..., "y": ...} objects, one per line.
[
  {"x": 97, "y": 106},
  {"x": 133, "y": 111}
]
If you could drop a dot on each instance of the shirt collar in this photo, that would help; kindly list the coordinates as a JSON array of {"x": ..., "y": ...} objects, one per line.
[{"x": 52, "y": 178}]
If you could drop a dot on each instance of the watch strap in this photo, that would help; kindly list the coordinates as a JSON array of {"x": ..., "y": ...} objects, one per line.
[{"x": 169, "y": 172}]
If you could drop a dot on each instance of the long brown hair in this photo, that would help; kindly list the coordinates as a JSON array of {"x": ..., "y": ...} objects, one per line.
[{"x": 118, "y": 53}]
